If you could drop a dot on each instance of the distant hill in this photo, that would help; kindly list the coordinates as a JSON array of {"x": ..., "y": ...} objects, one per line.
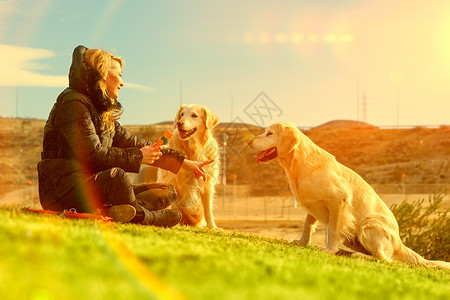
[
  {"x": 381, "y": 156},
  {"x": 345, "y": 124}
]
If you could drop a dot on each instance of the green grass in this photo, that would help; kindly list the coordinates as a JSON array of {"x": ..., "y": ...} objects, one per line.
[{"x": 49, "y": 257}]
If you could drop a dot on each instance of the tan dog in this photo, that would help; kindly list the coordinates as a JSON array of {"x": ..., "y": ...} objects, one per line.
[
  {"x": 335, "y": 196},
  {"x": 193, "y": 137}
]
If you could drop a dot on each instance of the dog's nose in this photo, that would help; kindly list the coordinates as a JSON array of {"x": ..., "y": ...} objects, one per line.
[
  {"x": 180, "y": 123},
  {"x": 250, "y": 141}
]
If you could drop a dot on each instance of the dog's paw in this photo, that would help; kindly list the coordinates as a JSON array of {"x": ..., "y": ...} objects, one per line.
[
  {"x": 299, "y": 242},
  {"x": 328, "y": 250},
  {"x": 215, "y": 228}
]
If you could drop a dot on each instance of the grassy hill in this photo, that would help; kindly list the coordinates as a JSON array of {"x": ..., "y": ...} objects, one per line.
[
  {"x": 380, "y": 156},
  {"x": 51, "y": 257}
]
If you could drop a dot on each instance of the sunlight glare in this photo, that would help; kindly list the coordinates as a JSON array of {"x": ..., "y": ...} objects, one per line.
[
  {"x": 282, "y": 38},
  {"x": 347, "y": 38},
  {"x": 330, "y": 38},
  {"x": 296, "y": 38},
  {"x": 265, "y": 38},
  {"x": 249, "y": 38},
  {"x": 313, "y": 38}
]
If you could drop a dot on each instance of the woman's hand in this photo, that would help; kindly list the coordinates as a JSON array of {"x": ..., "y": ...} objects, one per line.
[
  {"x": 151, "y": 153},
  {"x": 196, "y": 167}
]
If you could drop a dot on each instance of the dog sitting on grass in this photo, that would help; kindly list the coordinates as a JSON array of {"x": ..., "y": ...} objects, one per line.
[{"x": 357, "y": 218}]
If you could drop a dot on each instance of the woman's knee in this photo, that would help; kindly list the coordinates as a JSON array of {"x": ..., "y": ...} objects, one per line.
[
  {"x": 157, "y": 196},
  {"x": 172, "y": 191},
  {"x": 115, "y": 176},
  {"x": 118, "y": 173},
  {"x": 116, "y": 186}
]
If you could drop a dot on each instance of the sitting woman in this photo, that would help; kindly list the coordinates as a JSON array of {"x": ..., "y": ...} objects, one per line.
[{"x": 86, "y": 152}]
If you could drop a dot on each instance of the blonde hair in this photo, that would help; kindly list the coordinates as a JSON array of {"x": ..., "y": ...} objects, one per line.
[{"x": 101, "y": 61}]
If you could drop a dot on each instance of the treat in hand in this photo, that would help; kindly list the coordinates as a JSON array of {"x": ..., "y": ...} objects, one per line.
[{"x": 164, "y": 139}]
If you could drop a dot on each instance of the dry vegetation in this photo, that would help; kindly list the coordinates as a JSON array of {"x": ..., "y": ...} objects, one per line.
[{"x": 380, "y": 156}]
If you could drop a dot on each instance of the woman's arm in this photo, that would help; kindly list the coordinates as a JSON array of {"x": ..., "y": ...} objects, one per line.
[
  {"x": 173, "y": 161},
  {"x": 162, "y": 157},
  {"x": 81, "y": 135},
  {"x": 196, "y": 168},
  {"x": 124, "y": 139}
]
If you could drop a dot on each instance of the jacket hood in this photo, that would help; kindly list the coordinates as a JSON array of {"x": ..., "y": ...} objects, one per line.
[{"x": 85, "y": 79}]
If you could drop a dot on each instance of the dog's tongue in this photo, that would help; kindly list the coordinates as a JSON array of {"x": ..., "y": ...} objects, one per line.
[
  {"x": 182, "y": 133},
  {"x": 261, "y": 155}
]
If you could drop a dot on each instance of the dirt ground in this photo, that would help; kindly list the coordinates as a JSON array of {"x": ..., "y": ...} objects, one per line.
[
  {"x": 276, "y": 217},
  {"x": 268, "y": 216}
]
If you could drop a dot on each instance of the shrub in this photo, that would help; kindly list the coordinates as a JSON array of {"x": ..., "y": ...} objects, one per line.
[{"x": 426, "y": 230}]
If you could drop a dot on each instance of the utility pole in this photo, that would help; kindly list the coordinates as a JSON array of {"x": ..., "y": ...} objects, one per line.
[
  {"x": 224, "y": 168},
  {"x": 398, "y": 108},
  {"x": 357, "y": 98},
  {"x": 364, "y": 107},
  {"x": 17, "y": 101}
]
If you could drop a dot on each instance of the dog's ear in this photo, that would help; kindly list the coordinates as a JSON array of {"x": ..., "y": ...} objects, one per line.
[
  {"x": 288, "y": 138},
  {"x": 177, "y": 116},
  {"x": 211, "y": 120}
]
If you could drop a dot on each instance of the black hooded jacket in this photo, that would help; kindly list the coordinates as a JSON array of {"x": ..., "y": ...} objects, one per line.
[{"x": 77, "y": 143}]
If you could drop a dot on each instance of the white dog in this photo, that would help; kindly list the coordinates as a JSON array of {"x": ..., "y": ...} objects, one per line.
[
  {"x": 193, "y": 137},
  {"x": 335, "y": 196}
]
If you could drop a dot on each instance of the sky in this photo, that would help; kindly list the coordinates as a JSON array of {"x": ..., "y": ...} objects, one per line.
[{"x": 386, "y": 63}]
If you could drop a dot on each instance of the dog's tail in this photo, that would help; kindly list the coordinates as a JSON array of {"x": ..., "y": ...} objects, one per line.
[
  {"x": 190, "y": 215},
  {"x": 408, "y": 255}
]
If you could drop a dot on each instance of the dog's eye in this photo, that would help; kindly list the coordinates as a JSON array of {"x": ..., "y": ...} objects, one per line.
[
  {"x": 194, "y": 116},
  {"x": 269, "y": 133}
]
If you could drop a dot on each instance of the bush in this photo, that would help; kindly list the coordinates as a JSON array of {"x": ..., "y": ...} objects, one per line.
[{"x": 426, "y": 230}]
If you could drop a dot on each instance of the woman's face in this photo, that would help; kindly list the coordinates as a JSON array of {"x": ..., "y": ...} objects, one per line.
[{"x": 113, "y": 79}]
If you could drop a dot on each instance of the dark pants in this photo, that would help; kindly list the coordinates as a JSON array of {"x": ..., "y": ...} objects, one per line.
[{"x": 114, "y": 187}]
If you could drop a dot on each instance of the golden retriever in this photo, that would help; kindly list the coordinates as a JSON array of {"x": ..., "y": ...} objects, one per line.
[
  {"x": 336, "y": 196},
  {"x": 193, "y": 136}
]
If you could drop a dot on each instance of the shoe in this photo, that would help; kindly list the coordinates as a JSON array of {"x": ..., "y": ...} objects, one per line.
[
  {"x": 162, "y": 218},
  {"x": 122, "y": 213}
]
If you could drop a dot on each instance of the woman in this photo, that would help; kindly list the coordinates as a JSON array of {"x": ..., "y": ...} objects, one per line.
[{"x": 86, "y": 152}]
